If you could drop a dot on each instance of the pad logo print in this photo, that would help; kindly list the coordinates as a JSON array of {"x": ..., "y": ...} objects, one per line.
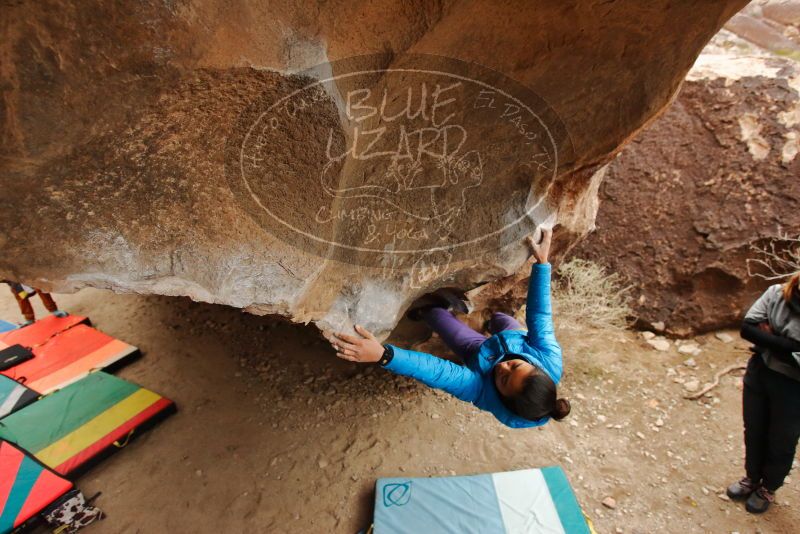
[{"x": 396, "y": 494}]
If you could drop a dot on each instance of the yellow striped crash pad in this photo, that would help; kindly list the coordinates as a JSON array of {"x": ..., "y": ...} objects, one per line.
[{"x": 70, "y": 427}]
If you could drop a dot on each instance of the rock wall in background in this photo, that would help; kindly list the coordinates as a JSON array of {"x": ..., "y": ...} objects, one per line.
[
  {"x": 684, "y": 203},
  {"x": 717, "y": 174},
  {"x": 182, "y": 148}
]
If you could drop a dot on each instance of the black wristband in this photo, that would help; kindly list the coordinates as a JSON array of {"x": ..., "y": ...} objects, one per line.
[{"x": 388, "y": 354}]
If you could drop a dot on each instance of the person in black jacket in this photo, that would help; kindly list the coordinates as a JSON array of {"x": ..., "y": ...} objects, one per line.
[{"x": 771, "y": 395}]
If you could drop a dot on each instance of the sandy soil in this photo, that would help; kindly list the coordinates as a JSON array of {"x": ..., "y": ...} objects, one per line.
[{"x": 274, "y": 434}]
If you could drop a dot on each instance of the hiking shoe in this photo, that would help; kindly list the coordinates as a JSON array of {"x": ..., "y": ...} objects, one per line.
[
  {"x": 759, "y": 501},
  {"x": 441, "y": 298},
  {"x": 456, "y": 301},
  {"x": 741, "y": 489},
  {"x": 426, "y": 302}
]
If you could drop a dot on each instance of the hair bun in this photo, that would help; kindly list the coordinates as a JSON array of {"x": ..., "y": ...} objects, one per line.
[{"x": 561, "y": 410}]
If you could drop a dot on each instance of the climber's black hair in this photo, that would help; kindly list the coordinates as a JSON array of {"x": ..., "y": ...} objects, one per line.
[{"x": 538, "y": 399}]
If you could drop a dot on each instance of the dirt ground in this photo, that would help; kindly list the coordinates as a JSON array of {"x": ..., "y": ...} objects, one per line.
[{"x": 274, "y": 434}]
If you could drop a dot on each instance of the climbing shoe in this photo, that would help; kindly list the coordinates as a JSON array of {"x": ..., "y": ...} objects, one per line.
[{"x": 441, "y": 298}]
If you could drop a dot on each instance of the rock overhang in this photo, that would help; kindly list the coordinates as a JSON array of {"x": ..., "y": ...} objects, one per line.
[{"x": 120, "y": 126}]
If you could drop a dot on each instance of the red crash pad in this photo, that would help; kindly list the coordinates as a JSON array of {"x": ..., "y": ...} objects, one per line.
[
  {"x": 69, "y": 356},
  {"x": 26, "y": 487},
  {"x": 39, "y": 332}
]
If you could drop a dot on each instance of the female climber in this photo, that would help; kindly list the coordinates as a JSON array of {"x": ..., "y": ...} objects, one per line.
[
  {"x": 771, "y": 394},
  {"x": 512, "y": 374}
]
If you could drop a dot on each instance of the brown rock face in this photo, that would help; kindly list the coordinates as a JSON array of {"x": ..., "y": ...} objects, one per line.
[
  {"x": 182, "y": 148},
  {"x": 717, "y": 173}
]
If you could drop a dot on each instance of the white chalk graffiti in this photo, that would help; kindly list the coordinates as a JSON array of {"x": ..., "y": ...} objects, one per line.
[
  {"x": 425, "y": 176},
  {"x": 429, "y": 268},
  {"x": 403, "y": 161}
]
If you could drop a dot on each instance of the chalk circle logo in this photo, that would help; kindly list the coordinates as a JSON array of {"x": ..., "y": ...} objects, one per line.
[
  {"x": 393, "y": 159},
  {"x": 396, "y": 494}
]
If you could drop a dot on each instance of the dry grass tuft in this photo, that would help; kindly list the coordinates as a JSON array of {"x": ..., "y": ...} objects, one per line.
[{"x": 584, "y": 294}]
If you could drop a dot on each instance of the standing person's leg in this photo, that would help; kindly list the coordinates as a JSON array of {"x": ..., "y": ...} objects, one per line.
[
  {"x": 784, "y": 429},
  {"x": 25, "y": 307},
  {"x": 499, "y": 322},
  {"x": 755, "y": 412},
  {"x": 47, "y": 300},
  {"x": 461, "y": 339}
]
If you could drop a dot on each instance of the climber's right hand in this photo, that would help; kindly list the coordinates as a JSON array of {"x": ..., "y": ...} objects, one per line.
[{"x": 363, "y": 349}]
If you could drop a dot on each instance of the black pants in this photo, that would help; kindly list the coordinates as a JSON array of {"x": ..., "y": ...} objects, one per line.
[{"x": 771, "y": 409}]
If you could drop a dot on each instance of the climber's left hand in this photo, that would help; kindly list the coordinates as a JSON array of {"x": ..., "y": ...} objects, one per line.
[
  {"x": 541, "y": 249},
  {"x": 364, "y": 348}
]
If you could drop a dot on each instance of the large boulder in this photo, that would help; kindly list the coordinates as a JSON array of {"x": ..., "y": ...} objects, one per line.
[
  {"x": 694, "y": 197},
  {"x": 235, "y": 152}
]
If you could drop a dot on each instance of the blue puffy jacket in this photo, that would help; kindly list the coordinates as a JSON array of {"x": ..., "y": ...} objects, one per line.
[{"x": 475, "y": 382}]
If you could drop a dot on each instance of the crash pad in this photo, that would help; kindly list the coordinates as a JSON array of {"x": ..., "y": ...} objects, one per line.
[
  {"x": 68, "y": 356},
  {"x": 5, "y": 326},
  {"x": 526, "y": 501},
  {"x": 26, "y": 487},
  {"x": 40, "y": 331},
  {"x": 14, "y": 396},
  {"x": 73, "y": 425}
]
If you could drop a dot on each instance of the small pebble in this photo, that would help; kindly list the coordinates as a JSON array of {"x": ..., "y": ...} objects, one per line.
[
  {"x": 609, "y": 502},
  {"x": 724, "y": 337},
  {"x": 689, "y": 348},
  {"x": 659, "y": 343}
]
